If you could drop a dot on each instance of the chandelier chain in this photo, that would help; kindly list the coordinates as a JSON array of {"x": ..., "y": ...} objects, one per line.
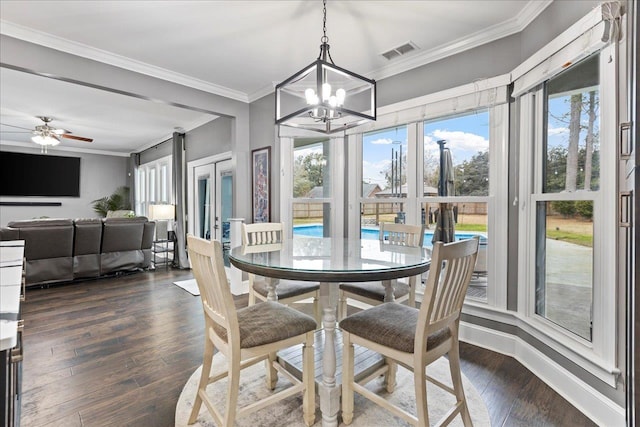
[{"x": 324, "y": 39}]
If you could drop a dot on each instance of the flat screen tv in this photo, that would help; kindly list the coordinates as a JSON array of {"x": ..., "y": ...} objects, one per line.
[{"x": 24, "y": 174}]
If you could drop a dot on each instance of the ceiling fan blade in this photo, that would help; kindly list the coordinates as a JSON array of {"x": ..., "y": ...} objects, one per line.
[
  {"x": 60, "y": 131},
  {"x": 77, "y": 138},
  {"x": 15, "y": 131},
  {"x": 13, "y": 126}
]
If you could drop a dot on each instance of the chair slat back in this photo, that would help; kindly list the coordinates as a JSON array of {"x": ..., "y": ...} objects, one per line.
[
  {"x": 402, "y": 234},
  {"x": 262, "y": 233},
  {"x": 208, "y": 269},
  {"x": 449, "y": 276}
]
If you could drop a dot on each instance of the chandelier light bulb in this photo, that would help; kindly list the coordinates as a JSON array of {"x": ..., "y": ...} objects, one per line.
[
  {"x": 341, "y": 94},
  {"x": 310, "y": 96},
  {"x": 333, "y": 101},
  {"x": 326, "y": 92}
]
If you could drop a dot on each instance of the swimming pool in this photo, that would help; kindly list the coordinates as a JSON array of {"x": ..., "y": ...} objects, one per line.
[{"x": 315, "y": 230}]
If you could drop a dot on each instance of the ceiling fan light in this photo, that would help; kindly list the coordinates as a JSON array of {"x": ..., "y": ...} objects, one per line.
[{"x": 45, "y": 140}]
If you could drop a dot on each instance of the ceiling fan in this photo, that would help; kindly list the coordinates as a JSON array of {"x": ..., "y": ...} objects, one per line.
[{"x": 46, "y": 135}]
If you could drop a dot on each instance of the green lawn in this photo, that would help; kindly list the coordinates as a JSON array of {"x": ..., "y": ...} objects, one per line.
[{"x": 567, "y": 236}]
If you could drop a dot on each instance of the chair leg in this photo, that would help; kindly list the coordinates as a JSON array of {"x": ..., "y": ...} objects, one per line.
[
  {"x": 456, "y": 379},
  {"x": 342, "y": 305},
  {"x": 347, "y": 378},
  {"x": 272, "y": 374},
  {"x": 308, "y": 372},
  {"x": 420, "y": 379},
  {"x": 252, "y": 293},
  {"x": 317, "y": 310},
  {"x": 233, "y": 388},
  {"x": 390, "y": 375},
  {"x": 412, "y": 292},
  {"x": 207, "y": 361}
]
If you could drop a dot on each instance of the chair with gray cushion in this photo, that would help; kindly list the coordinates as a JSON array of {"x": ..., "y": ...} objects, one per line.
[
  {"x": 246, "y": 337},
  {"x": 415, "y": 338},
  {"x": 288, "y": 291},
  {"x": 373, "y": 293}
]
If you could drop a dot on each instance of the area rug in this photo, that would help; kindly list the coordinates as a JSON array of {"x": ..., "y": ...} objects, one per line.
[
  {"x": 188, "y": 285},
  {"x": 288, "y": 412}
]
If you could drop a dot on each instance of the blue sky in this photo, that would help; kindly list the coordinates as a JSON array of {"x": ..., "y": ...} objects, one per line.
[
  {"x": 466, "y": 135},
  {"x": 558, "y": 131}
]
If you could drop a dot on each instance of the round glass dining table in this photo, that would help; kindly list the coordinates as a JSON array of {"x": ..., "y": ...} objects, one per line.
[{"x": 330, "y": 261}]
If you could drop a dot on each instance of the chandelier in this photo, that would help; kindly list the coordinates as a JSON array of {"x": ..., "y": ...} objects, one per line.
[{"x": 323, "y": 97}]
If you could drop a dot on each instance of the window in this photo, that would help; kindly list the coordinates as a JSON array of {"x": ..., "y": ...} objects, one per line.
[
  {"x": 152, "y": 184},
  {"x": 568, "y": 179},
  {"x": 461, "y": 185},
  {"x": 312, "y": 189},
  {"x": 569, "y": 175},
  {"x": 399, "y": 177},
  {"x": 384, "y": 179}
]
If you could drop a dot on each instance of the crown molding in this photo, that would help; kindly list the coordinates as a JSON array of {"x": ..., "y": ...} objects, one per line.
[
  {"x": 10, "y": 143},
  {"x": 532, "y": 9},
  {"x": 48, "y": 40},
  {"x": 514, "y": 25},
  {"x": 487, "y": 35}
]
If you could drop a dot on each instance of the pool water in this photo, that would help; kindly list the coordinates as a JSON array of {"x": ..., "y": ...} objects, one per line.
[{"x": 315, "y": 230}]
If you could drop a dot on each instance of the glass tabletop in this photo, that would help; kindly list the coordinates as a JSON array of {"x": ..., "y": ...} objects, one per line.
[{"x": 332, "y": 259}]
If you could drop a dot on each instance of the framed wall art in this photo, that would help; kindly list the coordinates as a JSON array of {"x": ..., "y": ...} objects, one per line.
[{"x": 261, "y": 183}]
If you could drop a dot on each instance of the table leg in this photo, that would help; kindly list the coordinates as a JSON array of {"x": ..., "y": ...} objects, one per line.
[
  {"x": 272, "y": 374},
  {"x": 388, "y": 290},
  {"x": 272, "y": 284},
  {"x": 328, "y": 390}
]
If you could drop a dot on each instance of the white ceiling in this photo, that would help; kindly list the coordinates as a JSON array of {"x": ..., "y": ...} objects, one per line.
[{"x": 239, "y": 49}]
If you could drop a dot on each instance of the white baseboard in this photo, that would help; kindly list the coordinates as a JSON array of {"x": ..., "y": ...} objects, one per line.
[{"x": 600, "y": 409}]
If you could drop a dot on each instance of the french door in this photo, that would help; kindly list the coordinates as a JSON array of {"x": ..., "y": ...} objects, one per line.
[{"x": 210, "y": 198}]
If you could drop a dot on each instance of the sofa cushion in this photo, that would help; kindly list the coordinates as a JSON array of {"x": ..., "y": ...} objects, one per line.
[
  {"x": 45, "y": 238},
  {"x": 88, "y": 236},
  {"x": 122, "y": 234}
]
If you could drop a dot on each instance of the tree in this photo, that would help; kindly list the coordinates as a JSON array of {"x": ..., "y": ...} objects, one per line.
[
  {"x": 387, "y": 171},
  {"x": 574, "y": 138},
  {"x": 589, "y": 141},
  {"x": 307, "y": 173},
  {"x": 472, "y": 176}
]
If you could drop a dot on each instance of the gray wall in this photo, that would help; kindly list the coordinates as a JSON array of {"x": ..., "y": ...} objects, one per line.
[
  {"x": 209, "y": 139},
  {"x": 156, "y": 152},
  {"x": 99, "y": 176},
  {"x": 40, "y": 59}
]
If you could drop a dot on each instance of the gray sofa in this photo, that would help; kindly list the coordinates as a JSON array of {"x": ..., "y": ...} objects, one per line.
[{"x": 58, "y": 250}]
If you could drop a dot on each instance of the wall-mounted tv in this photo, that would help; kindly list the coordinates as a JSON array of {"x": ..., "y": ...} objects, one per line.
[{"x": 24, "y": 174}]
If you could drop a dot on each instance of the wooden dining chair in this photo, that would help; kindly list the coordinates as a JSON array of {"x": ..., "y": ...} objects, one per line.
[
  {"x": 415, "y": 338},
  {"x": 246, "y": 337},
  {"x": 373, "y": 293},
  {"x": 288, "y": 291}
]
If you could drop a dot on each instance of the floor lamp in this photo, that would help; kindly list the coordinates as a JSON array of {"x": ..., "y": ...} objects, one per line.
[{"x": 162, "y": 214}]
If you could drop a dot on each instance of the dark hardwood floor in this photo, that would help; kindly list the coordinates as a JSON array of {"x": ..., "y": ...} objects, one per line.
[{"x": 117, "y": 352}]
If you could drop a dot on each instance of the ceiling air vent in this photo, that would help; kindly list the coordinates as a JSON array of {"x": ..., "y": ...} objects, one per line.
[{"x": 400, "y": 50}]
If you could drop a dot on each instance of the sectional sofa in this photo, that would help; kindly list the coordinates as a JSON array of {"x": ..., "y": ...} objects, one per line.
[{"x": 58, "y": 250}]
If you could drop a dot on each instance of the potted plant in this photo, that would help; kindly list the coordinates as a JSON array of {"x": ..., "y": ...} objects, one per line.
[{"x": 117, "y": 201}]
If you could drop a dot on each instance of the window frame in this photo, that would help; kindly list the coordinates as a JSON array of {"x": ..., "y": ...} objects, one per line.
[
  {"x": 160, "y": 171},
  {"x": 336, "y": 169},
  {"x": 490, "y": 95},
  {"x": 599, "y": 355}
]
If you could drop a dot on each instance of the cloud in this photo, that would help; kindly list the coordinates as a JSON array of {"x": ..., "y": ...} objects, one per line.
[
  {"x": 557, "y": 131},
  {"x": 371, "y": 172},
  {"x": 382, "y": 141},
  {"x": 459, "y": 140}
]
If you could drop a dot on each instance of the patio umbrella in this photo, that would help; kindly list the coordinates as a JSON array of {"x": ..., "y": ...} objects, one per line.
[{"x": 445, "y": 224}]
